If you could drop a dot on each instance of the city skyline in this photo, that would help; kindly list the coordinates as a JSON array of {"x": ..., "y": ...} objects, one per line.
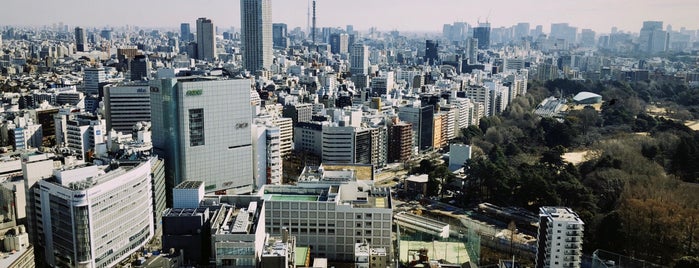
[{"x": 364, "y": 14}]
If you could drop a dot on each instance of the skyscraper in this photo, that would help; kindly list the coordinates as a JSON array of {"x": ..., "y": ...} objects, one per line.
[
  {"x": 559, "y": 238},
  {"x": 256, "y": 34},
  {"x": 359, "y": 59},
  {"x": 521, "y": 30},
  {"x": 431, "y": 52},
  {"x": 339, "y": 43},
  {"x": 202, "y": 128},
  {"x": 482, "y": 33},
  {"x": 652, "y": 38},
  {"x": 185, "y": 32},
  {"x": 80, "y": 39},
  {"x": 206, "y": 40},
  {"x": 280, "y": 36},
  {"x": 140, "y": 68}
]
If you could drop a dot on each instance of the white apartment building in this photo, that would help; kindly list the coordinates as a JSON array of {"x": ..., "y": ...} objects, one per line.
[{"x": 559, "y": 239}]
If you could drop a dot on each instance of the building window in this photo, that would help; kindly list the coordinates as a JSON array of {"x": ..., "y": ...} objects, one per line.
[{"x": 196, "y": 127}]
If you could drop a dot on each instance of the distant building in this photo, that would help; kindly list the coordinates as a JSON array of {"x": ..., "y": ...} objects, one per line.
[
  {"x": 560, "y": 237},
  {"x": 482, "y": 34},
  {"x": 431, "y": 52},
  {"x": 585, "y": 97},
  {"x": 140, "y": 68},
  {"x": 256, "y": 34},
  {"x": 359, "y": 59},
  {"x": 280, "y": 36},
  {"x": 92, "y": 78},
  {"x": 339, "y": 43},
  {"x": 80, "y": 40},
  {"x": 206, "y": 40},
  {"x": 185, "y": 33}
]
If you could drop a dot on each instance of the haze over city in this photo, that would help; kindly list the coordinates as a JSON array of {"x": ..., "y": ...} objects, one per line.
[{"x": 410, "y": 15}]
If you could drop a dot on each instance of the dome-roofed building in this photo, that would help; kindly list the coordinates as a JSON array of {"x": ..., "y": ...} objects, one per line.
[{"x": 585, "y": 97}]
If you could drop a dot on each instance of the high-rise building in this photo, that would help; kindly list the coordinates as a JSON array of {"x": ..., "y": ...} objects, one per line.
[
  {"x": 565, "y": 32},
  {"x": 482, "y": 33},
  {"x": 521, "y": 31},
  {"x": 92, "y": 77},
  {"x": 125, "y": 105},
  {"x": 206, "y": 40},
  {"x": 80, "y": 39},
  {"x": 185, "y": 32},
  {"x": 431, "y": 52},
  {"x": 202, "y": 128},
  {"x": 560, "y": 237},
  {"x": 400, "y": 142},
  {"x": 587, "y": 37},
  {"x": 422, "y": 119},
  {"x": 359, "y": 59},
  {"x": 280, "y": 36},
  {"x": 339, "y": 43},
  {"x": 652, "y": 38},
  {"x": 256, "y": 34},
  {"x": 83, "y": 211}
]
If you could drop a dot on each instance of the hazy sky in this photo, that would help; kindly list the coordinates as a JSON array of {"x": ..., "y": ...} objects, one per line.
[{"x": 405, "y": 15}]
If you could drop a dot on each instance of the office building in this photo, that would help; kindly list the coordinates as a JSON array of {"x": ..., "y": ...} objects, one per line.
[
  {"x": 280, "y": 36},
  {"x": 421, "y": 117},
  {"x": 125, "y": 105},
  {"x": 521, "y": 31},
  {"x": 84, "y": 133},
  {"x": 256, "y": 34},
  {"x": 206, "y": 40},
  {"x": 339, "y": 43},
  {"x": 560, "y": 237},
  {"x": 83, "y": 211},
  {"x": 140, "y": 68},
  {"x": 431, "y": 52},
  {"x": 92, "y": 78},
  {"x": 587, "y": 38},
  {"x": 80, "y": 40},
  {"x": 565, "y": 32},
  {"x": 185, "y": 33},
  {"x": 482, "y": 34},
  {"x": 359, "y": 59},
  {"x": 301, "y": 112},
  {"x": 330, "y": 215},
  {"x": 267, "y": 157},
  {"x": 201, "y": 127}
]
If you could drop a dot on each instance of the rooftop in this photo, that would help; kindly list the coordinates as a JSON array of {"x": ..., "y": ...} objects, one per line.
[{"x": 189, "y": 185}]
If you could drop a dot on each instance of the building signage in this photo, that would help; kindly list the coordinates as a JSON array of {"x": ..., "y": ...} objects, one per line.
[{"x": 194, "y": 92}]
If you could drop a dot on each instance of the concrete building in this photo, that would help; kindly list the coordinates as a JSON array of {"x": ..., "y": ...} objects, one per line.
[
  {"x": 286, "y": 134},
  {"x": 400, "y": 142},
  {"x": 279, "y": 251},
  {"x": 267, "y": 153},
  {"x": 188, "y": 194},
  {"x": 366, "y": 256},
  {"x": 84, "y": 134},
  {"x": 238, "y": 232},
  {"x": 256, "y": 34},
  {"x": 331, "y": 216},
  {"x": 301, "y": 112},
  {"x": 359, "y": 59},
  {"x": 125, "y": 105},
  {"x": 339, "y": 43},
  {"x": 206, "y": 40},
  {"x": 83, "y": 211},
  {"x": 308, "y": 137},
  {"x": 203, "y": 131},
  {"x": 560, "y": 238}
]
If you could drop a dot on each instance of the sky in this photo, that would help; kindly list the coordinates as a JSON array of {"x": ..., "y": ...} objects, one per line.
[{"x": 402, "y": 15}]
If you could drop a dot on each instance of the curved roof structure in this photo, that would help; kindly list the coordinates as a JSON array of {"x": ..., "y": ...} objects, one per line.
[{"x": 585, "y": 96}]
